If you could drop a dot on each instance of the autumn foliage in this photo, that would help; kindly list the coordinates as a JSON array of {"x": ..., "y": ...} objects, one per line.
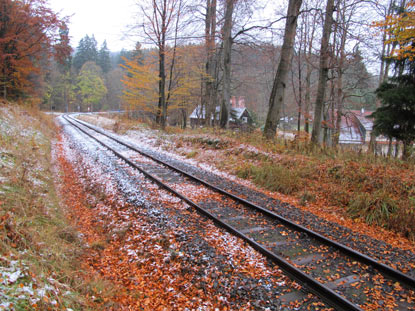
[
  {"x": 401, "y": 29},
  {"x": 182, "y": 86},
  {"x": 28, "y": 32}
]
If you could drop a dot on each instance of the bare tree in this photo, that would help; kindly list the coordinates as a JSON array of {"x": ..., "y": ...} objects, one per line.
[
  {"x": 310, "y": 20},
  {"x": 323, "y": 72},
  {"x": 226, "y": 62},
  {"x": 278, "y": 90},
  {"x": 161, "y": 20},
  {"x": 209, "y": 98}
]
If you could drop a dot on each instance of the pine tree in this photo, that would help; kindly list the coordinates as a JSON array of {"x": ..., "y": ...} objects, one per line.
[
  {"x": 104, "y": 60},
  {"x": 85, "y": 52},
  {"x": 396, "y": 116}
]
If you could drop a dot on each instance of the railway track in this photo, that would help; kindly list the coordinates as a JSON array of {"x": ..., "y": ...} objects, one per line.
[{"x": 339, "y": 275}]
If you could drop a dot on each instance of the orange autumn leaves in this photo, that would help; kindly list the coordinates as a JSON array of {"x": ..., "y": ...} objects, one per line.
[
  {"x": 401, "y": 30},
  {"x": 132, "y": 258}
]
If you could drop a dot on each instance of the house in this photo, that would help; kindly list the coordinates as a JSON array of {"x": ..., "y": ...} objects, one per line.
[
  {"x": 239, "y": 114},
  {"x": 355, "y": 127}
]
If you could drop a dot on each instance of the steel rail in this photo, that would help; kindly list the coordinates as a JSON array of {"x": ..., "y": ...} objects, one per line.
[
  {"x": 326, "y": 294},
  {"x": 385, "y": 269}
]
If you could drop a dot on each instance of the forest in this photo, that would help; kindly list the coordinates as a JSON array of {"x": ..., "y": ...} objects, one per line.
[{"x": 296, "y": 65}]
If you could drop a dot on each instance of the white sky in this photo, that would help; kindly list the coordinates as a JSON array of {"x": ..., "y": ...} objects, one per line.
[{"x": 107, "y": 20}]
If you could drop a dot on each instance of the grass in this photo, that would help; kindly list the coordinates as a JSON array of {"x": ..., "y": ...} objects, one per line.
[
  {"x": 273, "y": 177},
  {"x": 191, "y": 154},
  {"x": 39, "y": 265}
]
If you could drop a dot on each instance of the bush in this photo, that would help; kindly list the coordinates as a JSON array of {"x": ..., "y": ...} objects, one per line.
[
  {"x": 378, "y": 208},
  {"x": 274, "y": 177}
]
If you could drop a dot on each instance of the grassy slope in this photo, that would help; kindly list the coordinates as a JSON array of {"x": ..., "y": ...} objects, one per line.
[
  {"x": 39, "y": 267},
  {"x": 372, "y": 189}
]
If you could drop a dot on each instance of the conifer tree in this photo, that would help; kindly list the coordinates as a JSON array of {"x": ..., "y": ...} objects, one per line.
[
  {"x": 104, "y": 60},
  {"x": 396, "y": 116},
  {"x": 85, "y": 52}
]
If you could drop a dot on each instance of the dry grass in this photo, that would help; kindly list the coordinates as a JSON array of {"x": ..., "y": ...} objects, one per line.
[
  {"x": 374, "y": 189},
  {"x": 33, "y": 230}
]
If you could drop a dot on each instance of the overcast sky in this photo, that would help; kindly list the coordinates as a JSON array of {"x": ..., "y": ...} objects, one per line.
[{"x": 107, "y": 20}]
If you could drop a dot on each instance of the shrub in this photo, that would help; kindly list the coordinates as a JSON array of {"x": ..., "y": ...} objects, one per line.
[
  {"x": 191, "y": 154},
  {"x": 306, "y": 197},
  {"x": 378, "y": 208},
  {"x": 274, "y": 177}
]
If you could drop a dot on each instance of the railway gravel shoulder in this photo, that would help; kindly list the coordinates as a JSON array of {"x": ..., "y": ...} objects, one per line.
[{"x": 242, "y": 290}]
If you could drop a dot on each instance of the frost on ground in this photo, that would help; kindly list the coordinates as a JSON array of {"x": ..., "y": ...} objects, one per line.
[
  {"x": 34, "y": 254},
  {"x": 160, "y": 249},
  {"x": 21, "y": 289}
]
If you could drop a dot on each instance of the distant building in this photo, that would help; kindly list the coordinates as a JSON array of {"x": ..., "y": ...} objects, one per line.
[
  {"x": 239, "y": 115},
  {"x": 355, "y": 127}
]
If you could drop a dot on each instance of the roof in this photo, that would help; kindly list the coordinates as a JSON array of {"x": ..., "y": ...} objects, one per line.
[
  {"x": 199, "y": 113},
  {"x": 363, "y": 117},
  {"x": 350, "y": 132},
  {"x": 238, "y": 112}
]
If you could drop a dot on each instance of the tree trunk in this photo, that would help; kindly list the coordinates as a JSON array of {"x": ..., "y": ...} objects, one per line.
[
  {"x": 307, "y": 98},
  {"x": 162, "y": 70},
  {"x": 278, "y": 89},
  {"x": 227, "y": 49},
  {"x": 390, "y": 147},
  {"x": 396, "y": 148},
  {"x": 308, "y": 51},
  {"x": 184, "y": 118},
  {"x": 210, "y": 45},
  {"x": 323, "y": 72},
  {"x": 162, "y": 112},
  {"x": 406, "y": 152},
  {"x": 300, "y": 83}
]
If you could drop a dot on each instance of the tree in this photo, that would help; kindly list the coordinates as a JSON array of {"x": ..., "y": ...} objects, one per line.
[
  {"x": 62, "y": 49},
  {"x": 28, "y": 31},
  {"x": 323, "y": 72},
  {"x": 85, "y": 52},
  {"x": 114, "y": 86},
  {"x": 209, "y": 96},
  {"x": 161, "y": 23},
  {"x": 401, "y": 28},
  {"x": 226, "y": 63},
  {"x": 63, "y": 81},
  {"x": 278, "y": 90},
  {"x": 396, "y": 116},
  {"x": 141, "y": 85},
  {"x": 186, "y": 80},
  {"x": 104, "y": 60},
  {"x": 90, "y": 87},
  {"x": 388, "y": 48}
]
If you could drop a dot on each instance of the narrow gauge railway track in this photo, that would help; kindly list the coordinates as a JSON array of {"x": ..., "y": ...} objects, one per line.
[{"x": 342, "y": 277}]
